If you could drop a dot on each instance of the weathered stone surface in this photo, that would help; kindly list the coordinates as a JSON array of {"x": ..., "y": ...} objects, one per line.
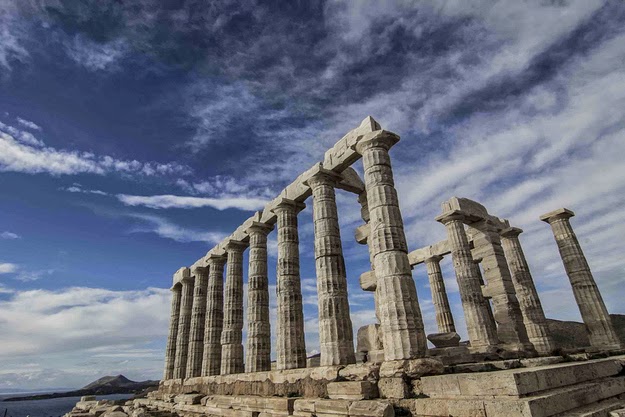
[
  {"x": 170, "y": 352},
  {"x": 290, "y": 344},
  {"x": 394, "y": 388},
  {"x": 332, "y": 407},
  {"x": 184, "y": 324},
  {"x": 398, "y": 306},
  {"x": 531, "y": 307},
  {"x": 444, "y": 318},
  {"x": 480, "y": 325},
  {"x": 587, "y": 295},
  {"x": 198, "y": 321},
  {"x": 361, "y": 372},
  {"x": 232, "y": 334},
  {"x": 211, "y": 361},
  {"x": 369, "y": 338},
  {"x": 413, "y": 368},
  {"x": 443, "y": 340},
  {"x": 371, "y": 409},
  {"x": 258, "y": 346},
  {"x": 352, "y": 390},
  {"x": 335, "y": 324}
]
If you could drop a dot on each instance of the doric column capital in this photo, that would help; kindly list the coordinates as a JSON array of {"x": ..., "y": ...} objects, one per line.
[
  {"x": 235, "y": 246},
  {"x": 433, "y": 259},
  {"x": 450, "y": 216},
  {"x": 561, "y": 213},
  {"x": 177, "y": 287},
  {"x": 320, "y": 176},
  {"x": 259, "y": 228},
  {"x": 288, "y": 205},
  {"x": 377, "y": 139},
  {"x": 511, "y": 232},
  {"x": 214, "y": 260},
  {"x": 197, "y": 270}
]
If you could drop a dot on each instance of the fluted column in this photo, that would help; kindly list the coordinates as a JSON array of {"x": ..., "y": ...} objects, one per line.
[
  {"x": 400, "y": 316},
  {"x": 531, "y": 308},
  {"x": 184, "y": 325},
  {"x": 480, "y": 327},
  {"x": 258, "y": 343},
  {"x": 444, "y": 318},
  {"x": 198, "y": 321},
  {"x": 336, "y": 338},
  {"x": 170, "y": 352},
  {"x": 211, "y": 361},
  {"x": 290, "y": 343},
  {"x": 232, "y": 334},
  {"x": 511, "y": 330},
  {"x": 589, "y": 300}
]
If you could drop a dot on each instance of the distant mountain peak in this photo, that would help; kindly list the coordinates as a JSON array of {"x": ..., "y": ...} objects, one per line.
[{"x": 110, "y": 381}]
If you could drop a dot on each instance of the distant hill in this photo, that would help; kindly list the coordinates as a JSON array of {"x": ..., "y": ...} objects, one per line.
[
  {"x": 104, "y": 386},
  {"x": 571, "y": 334}
]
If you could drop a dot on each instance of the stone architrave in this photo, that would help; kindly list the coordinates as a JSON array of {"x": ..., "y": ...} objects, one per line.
[
  {"x": 480, "y": 327},
  {"x": 170, "y": 352},
  {"x": 258, "y": 343},
  {"x": 531, "y": 308},
  {"x": 232, "y": 334},
  {"x": 444, "y": 318},
  {"x": 211, "y": 362},
  {"x": 290, "y": 342},
  {"x": 336, "y": 338},
  {"x": 587, "y": 295},
  {"x": 499, "y": 288},
  {"x": 198, "y": 321},
  {"x": 184, "y": 325},
  {"x": 400, "y": 316}
]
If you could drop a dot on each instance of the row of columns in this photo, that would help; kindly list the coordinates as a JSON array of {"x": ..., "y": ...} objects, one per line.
[
  {"x": 484, "y": 332},
  {"x": 207, "y": 326}
]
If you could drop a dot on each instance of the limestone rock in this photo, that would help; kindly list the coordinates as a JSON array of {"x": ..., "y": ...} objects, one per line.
[
  {"x": 412, "y": 368},
  {"x": 369, "y": 338},
  {"x": 395, "y": 388},
  {"x": 352, "y": 390},
  {"x": 361, "y": 372},
  {"x": 371, "y": 409},
  {"x": 442, "y": 340}
]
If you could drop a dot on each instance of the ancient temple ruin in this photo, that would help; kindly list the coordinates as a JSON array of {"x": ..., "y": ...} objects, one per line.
[{"x": 210, "y": 370}]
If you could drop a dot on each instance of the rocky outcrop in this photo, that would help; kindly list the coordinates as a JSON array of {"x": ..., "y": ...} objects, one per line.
[{"x": 572, "y": 334}]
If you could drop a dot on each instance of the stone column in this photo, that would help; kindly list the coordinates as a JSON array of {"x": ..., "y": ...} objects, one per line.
[
  {"x": 232, "y": 334},
  {"x": 336, "y": 337},
  {"x": 531, "y": 308},
  {"x": 258, "y": 343},
  {"x": 170, "y": 352},
  {"x": 400, "y": 316},
  {"x": 481, "y": 330},
  {"x": 198, "y": 319},
  {"x": 444, "y": 318},
  {"x": 589, "y": 300},
  {"x": 511, "y": 330},
  {"x": 291, "y": 346},
  {"x": 211, "y": 362},
  {"x": 184, "y": 325}
]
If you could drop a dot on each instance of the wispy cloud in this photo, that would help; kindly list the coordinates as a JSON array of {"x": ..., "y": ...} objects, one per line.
[
  {"x": 8, "y": 268},
  {"x": 96, "y": 56},
  {"x": 77, "y": 188},
  {"x": 174, "y": 201},
  {"x": 28, "y": 124},
  {"x": 27, "y": 154},
  {"x": 9, "y": 235},
  {"x": 165, "y": 229}
]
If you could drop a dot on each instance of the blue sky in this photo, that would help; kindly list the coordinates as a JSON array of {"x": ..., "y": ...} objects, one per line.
[{"x": 134, "y": 136}]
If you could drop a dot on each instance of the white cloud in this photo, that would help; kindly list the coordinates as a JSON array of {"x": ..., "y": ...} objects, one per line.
[
  {"x": 20, "y": 151},
  {"x": 174, "y": 201},
  {"x": 81, "y": 334},
  {"x": 77, "y": 188},
  {"x": 96, "y": 56},
  {"x": 9, "y": 235},
  {"x": 11, "y": 39},
  {"x": 28, "y": 124},
  {"x": 8, "y": 268},
  {"x": 168, "y": 230}
]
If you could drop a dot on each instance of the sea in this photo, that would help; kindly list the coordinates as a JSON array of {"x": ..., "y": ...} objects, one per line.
[{"x": 54, "y": 407}]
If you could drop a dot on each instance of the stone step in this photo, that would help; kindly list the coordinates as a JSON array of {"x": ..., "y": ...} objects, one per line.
[
  {"x": 600, "y": 409},
  {"x": 545, "y": 404},
  {"x": 518, "y": 382}
]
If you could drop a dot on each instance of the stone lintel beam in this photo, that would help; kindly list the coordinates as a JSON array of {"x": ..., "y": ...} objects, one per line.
[
  {"x": 421, "y": 255},
  {"x": 368, "y": 281},
  {"x": 351, "y": 181},
  {"x": 343, "y": 153},
  {"x": 473, "y": 211},
  {"x": 511, "y": 232}
]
